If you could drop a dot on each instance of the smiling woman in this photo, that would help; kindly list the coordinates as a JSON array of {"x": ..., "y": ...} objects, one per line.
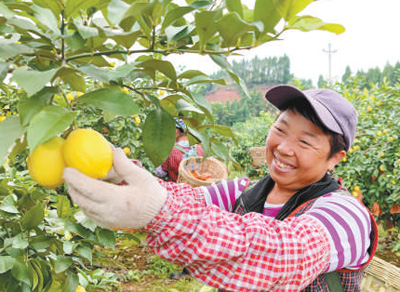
[{"x": 295, "y": 229}]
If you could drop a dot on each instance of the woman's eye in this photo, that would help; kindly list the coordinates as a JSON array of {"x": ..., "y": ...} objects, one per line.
[{"x": 305, "y": 143}]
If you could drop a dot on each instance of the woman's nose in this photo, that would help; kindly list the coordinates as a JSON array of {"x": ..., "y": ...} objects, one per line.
[{"x": 285, "y": 147}]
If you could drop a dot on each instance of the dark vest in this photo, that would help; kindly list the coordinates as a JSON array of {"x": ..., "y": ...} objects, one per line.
[{"x": 253, "y": 199}]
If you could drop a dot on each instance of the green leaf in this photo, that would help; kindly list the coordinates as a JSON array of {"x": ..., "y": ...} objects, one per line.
[
  {"x": 205, "y": 141},
  {"x": 68, "y": 247},
  {"x": 62, "y": 264},
  {"x": 231, "y": 27},
  {"x": 204, "y": 79},
  {"x": 80, "y": 230},
  {"x": 182, "y": 105},
  {"x": 106, "y": 237},
  {"x": 33, "y": 81},
  {"x": 85, "y": 252},
  {"x": 9, "y": 49},
  {"x": 71, "y": 283},
  {"x": 45, "y": 17},
  {"x": 50, "y": 4},
  {"x": 235, "y": 6},
  {"x": 158, "y": 135},
  {"x": 52, "y": 120},
  {"x": 240, "y": 82},
  {"x": 200, "y": 3},
  {"x": 112, "y": 100},
  {"x": 174, "y": 14},
  {"x": 126, "y": 39},
  {"x": 63, "y": 206},
  {"x": 33, "y": 217},
  {"x": 5, "y": 12},
  {"x": 42, "y": 242},
  {"x": 100, "y": 74},
  {"x": 10, "y": 131},
  {"x": 308, "y": 23},
  {"x": 165, "y": 67},
  {"x": 116, "y": 10},
  {"x": 28, "y": 108},
  {"x": 87, "y": 32},
  {"x": 191, "y": 74},
  {"x": 143, "y": 13},
  {"x": 8, "y": 205},
  {"x": 74, "y": 41},
  {"x": 20, "y": 241},
  {"x": 4, "y": 70},
  {"x": 289, "y": 8},
  {"x": 73, "y": 78},
  {"x": 6, "y": 263},
  {"x": 22, "y": 273},
  {"x": 85, "y": 221},
  {"x": 206, "y": 25},
  {"x": 266, "y": 12},
  {"x": 177, "y": 33},
  {"x": 72, "y": 7}
]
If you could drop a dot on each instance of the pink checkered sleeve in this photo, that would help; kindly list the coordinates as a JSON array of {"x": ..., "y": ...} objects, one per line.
[{"x": 241, "y": 253}]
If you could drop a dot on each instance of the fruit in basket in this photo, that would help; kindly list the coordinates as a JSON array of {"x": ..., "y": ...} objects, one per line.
[{"x": 201, "y": 176}]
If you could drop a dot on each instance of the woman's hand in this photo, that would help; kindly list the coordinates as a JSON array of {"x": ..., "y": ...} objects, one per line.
[{"x": 112, "y": 206}]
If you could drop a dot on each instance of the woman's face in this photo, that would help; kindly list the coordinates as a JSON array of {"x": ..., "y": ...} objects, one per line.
[{"x": 297, "y": 152}]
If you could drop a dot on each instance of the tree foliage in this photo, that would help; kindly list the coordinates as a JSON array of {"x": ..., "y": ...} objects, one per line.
[
  {"x": 67, "y": 64},
  {"x": 53, "y": 47}
]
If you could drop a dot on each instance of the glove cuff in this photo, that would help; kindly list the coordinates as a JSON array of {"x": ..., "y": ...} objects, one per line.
[{"x": 155, "y": 202}]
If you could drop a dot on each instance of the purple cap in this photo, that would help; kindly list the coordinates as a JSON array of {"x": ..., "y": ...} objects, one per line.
[{"x": 332, "y": 109}]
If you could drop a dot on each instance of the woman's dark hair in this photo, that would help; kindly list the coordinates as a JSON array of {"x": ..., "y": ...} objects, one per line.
[{"x": 301, "y": 106}]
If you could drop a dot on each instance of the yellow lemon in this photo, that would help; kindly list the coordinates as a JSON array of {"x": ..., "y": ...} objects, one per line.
[
  {"x": 127, "y": 150},
  {"x": 2, "y": 118},
  {"x": 356, "y": 188},
  {"x": 89, "y": 152},
  {"x": 80, "y": 289},
  {"x": 46, "y": 163},
  {"x": 369, "y": 108},
  {"x": 379, "y": 133},
  {"x": 70, "y": 96}
]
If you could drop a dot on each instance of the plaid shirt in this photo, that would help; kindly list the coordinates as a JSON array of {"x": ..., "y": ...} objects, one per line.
[{"x": 237, "y": 253}]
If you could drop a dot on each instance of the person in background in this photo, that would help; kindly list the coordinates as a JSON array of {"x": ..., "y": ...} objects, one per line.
[
  {"x": 170, "y": 168},
  {"x": 296, "y": 229}
]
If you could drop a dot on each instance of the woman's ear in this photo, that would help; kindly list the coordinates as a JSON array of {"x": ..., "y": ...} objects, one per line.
[{"x": 335, "y": 159}]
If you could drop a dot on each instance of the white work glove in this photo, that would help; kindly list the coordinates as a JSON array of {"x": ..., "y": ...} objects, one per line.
[{"x": 130, "y": 206}]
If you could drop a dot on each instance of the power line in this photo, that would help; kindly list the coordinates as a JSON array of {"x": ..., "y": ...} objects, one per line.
[{"x": 330, "y": 52}]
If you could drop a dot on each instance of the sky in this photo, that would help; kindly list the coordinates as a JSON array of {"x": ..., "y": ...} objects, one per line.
[{"x": 371, "y": 40}]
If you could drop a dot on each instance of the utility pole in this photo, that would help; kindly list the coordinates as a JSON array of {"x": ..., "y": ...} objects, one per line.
[{"x": 330, "y": 52}]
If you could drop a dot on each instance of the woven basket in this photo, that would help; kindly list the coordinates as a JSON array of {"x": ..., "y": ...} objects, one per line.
[
  {"x": 381, "y": 276},
  {"x": 259, "y": 156},
  {"x": 214, "y": 167}
]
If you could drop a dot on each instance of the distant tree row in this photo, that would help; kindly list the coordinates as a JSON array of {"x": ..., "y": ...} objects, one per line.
[
  {"x": 374, "y": 76},
  {"x": 241, "y": 110},
  {"x": 259, "y": 72}
]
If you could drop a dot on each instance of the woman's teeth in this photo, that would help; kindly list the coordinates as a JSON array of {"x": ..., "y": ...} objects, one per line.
[{"x": 282, "y": 165}]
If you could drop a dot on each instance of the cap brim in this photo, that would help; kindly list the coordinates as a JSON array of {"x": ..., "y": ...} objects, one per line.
[{"x": 280, "y": 95}]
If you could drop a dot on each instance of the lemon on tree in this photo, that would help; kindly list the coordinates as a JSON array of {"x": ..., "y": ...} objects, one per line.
[
  {"x": 46, "y": 163},
  {"x": 80, "y": 289},
  {"x": 89, "y": 152}
]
